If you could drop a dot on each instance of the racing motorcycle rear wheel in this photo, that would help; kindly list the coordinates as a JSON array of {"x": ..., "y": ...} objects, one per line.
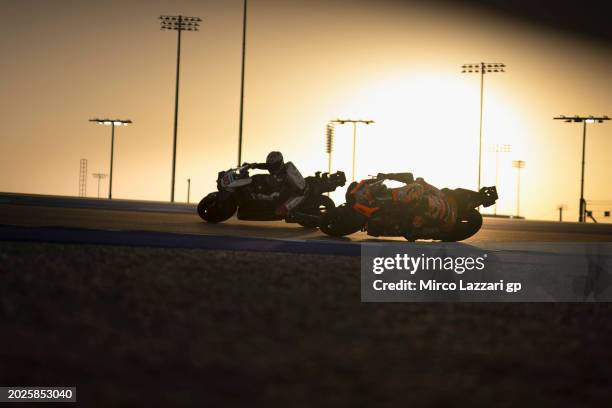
[
  {"x": 212, "y": 209},
  {"x": 313, "y": 212},
  {"x": 341, "y": 221}
]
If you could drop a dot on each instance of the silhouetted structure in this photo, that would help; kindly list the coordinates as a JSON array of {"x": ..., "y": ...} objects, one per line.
[
  {"x": 354, "y": 122},
  {"x": 83, "y": 178},
  {"x": 329, "y": 144},
  {"x": 482, "y": 68},
  {"x": 561, "y": 207},
  {"x": 518, "y": 164},
  {"x": 597, "y": 209},
  {"x": 179, "y": 24},
  {"x": 188, "y": 189},
  {"x": 99, "y": 176},
  {"x": 112, "y": 123},
  {"x": 240, "y": 122},
  {"x": 499, "y": 148},
  {"x": 584, "y": 120}
]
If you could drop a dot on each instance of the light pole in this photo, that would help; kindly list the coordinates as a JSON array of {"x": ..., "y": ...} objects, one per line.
[
  {"x": 499, "y": 148},
  {"x": 561, "y": 207},
  {"x": 99, "y": 176},
  {"x": 112, "y": 123},
  {"x": 518, "y": 164},
  {"x": 188, "y": 189},
  {"x": 354, "y": 122},
  {"x": 179, "y": 24},
  {"x": 482, "y": 68},
  {"x": 244, "y": 26},
  {"x": 584, "y": 120}
]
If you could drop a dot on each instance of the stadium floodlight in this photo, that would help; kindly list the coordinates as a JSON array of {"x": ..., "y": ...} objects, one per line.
[
  {"x": 179, "y": 24},
  {"x": 584, "y": 120},
  {"x": 112, "y": 123},
  {"x": 499, "y": 148},
  {"x": 518, "y": 165},
  {"x": 99, "y": 176},
  {"x": 354, "y": 122},
  {"x": 482, "y": 68}
]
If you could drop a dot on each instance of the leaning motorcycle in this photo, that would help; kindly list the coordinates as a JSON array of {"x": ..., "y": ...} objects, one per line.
[
  {"x": 240, "y": 192},
  {"x": 387, "y": 218}
]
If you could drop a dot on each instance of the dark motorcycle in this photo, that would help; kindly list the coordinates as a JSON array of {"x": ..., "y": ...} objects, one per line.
[
  {"x": 388, "y": 218},
  {"x": 237, "y": 190}
]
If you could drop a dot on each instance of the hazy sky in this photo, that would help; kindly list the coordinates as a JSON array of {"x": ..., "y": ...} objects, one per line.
[{"x": 308, "y": 61}]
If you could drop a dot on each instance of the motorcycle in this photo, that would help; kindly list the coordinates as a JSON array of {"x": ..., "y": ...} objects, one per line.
[
  {"x": 385, "y": 217},
  {"x": 256, "y": 197}
]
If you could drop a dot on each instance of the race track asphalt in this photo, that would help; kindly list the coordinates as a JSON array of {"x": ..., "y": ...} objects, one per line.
[
  {"x": 206, "y": 323},
  {"x": 131, "y": 216}
]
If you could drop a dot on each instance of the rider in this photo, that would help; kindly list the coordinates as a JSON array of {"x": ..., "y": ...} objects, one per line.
[
  {"x": 431, "y": 209},
  {"x": 288, "y": 177}
]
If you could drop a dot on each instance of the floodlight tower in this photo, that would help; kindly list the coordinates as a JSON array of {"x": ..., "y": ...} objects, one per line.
[
  {"x": 584, "y": 120},
  {"x": 518, "y": 165},
  {"x": 99, "y": 176},
  {"x": 482, "y": 68},
  {"x": 179, "y": 24},
  {"x": 499, "y": 148},
  {"x": 112, "y": 123},
  {"x": 354, "y": 122},
  {"x": 241, "y": 115}
]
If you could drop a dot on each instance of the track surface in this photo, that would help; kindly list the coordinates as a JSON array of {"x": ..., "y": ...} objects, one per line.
[
  {"x": 127, "y": 216},
  {"x": 189, "y": 327}
]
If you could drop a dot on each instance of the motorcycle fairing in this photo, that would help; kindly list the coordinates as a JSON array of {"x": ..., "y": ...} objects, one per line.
[
  {"x": 239, "y": 183},
  {"x": 231, "y": 180}
]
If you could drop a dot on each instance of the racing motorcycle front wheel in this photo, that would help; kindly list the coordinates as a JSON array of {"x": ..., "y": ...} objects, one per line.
[{"x": 212, "y": 209}]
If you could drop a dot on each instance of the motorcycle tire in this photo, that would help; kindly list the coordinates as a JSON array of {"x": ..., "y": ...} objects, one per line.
[
  {"x": 320, "y": 206},
  {"x": 341, "y": 221},
  {"x": 468, "y": 224},
  {"x": 211, "y": 209}
]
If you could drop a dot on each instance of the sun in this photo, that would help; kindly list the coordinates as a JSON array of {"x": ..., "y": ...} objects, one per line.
[{"x": 427, "y": 123}]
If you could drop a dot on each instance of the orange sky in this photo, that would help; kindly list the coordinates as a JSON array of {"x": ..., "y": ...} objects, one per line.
[{"x": 307, "y": 62}]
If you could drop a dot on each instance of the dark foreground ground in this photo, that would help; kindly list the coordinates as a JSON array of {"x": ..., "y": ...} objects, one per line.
[{"x": 160, "y": 327}]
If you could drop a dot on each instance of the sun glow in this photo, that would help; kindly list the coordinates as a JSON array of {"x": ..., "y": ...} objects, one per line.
[{"x": 427, "y": 123}]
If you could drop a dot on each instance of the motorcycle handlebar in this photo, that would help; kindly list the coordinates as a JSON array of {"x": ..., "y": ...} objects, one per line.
[{"x": 245, "y": 166}]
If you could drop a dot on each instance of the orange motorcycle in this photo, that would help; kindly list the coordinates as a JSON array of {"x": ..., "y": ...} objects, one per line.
[{"x": 372, "y": 207}]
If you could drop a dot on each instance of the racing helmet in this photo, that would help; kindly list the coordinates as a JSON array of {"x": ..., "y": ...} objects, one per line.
[{"x": 275, "y": 161}]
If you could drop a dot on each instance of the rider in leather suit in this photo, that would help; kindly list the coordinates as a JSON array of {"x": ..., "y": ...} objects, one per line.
[
  {"x": 291, "y": 184},
  {"x": 431, "y": 209}
]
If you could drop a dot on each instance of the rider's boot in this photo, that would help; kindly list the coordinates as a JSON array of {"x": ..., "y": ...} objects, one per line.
[
  {"x": 489, "y": 196},
  {"x": 472, "y": 199}
]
